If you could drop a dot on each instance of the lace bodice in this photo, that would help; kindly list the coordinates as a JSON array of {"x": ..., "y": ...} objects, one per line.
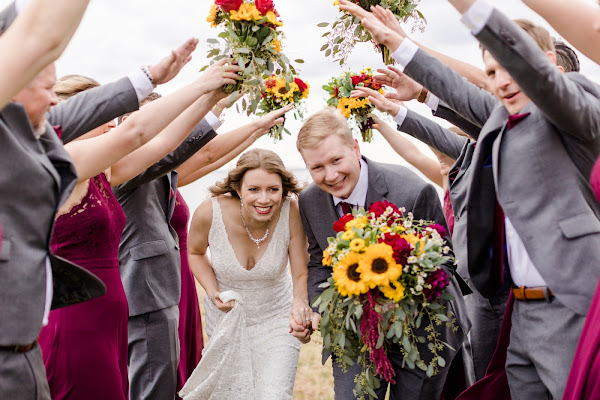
[
  {"x": 250, "y": 354},
  {"x": 92, "y": 228}
]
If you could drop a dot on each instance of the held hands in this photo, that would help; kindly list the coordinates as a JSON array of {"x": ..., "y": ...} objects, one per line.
[
  {"x": 225, "y": 307},
  {"x": 168, "y": 68},
  {"x": 303, "y": 321},
  {"x": 406, "y": 88},
  {"x": 221, "y": 73},
  {"x": 378, "y": 100}
]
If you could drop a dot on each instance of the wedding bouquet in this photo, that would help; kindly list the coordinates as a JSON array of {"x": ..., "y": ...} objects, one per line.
[
  {"x": 280, "y": 92},
  {"x": 357, "y": 110},
  {"x": 387, "y": 281},
  {"x": 346, "y": 31},
  {"x": 251, "y": 36}
]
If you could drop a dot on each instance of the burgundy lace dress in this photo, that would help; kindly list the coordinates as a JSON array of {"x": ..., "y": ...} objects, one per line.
[
  {"x": 190, "y": 325},
  {"x": 85, "y": 346},
  {"x": 584, "y": 378}
]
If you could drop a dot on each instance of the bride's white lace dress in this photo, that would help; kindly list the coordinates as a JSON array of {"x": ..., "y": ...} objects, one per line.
[{"x": 250, "y": 353}]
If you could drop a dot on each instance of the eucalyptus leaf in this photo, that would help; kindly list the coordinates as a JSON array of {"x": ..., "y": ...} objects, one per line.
[
  {"x": 323, "y": 24},
  {"x": 441, "y": 362}
]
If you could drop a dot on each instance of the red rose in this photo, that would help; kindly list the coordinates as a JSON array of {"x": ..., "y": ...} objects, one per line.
[
  {"x": 379, "y": 208},
  {"x": 228, "y": 5},
  {"x": 264, "y": 6},
  {"x": 301, "y": 85},
  {"x": 439, "y": 228},
  {"x": 356, "y": 79},
  {"x": 400, "y": 246},
  {"x": 340, "y": 224}
]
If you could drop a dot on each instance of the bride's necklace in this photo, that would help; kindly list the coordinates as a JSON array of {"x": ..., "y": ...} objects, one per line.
[{"x": 256, "y": 241}]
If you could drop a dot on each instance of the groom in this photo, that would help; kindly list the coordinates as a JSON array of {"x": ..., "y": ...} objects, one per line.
[{"x": 342, "y": 176}]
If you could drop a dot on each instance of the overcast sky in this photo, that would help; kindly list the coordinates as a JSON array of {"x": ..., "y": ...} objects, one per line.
[{"x": 117, "y": 36}]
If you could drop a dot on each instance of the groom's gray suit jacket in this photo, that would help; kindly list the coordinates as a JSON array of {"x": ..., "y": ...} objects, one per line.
[
  {"x": 149, "y": 250},
  {"x": 400, "y": 186},
  {"x": 538, "y": 170}
]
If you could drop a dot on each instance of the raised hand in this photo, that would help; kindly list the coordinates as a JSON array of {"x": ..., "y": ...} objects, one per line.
[
  {"x": 168, "y": 68},
  {"x": 220, "y": 73},
  {"x": 388, "y": 18},
  {"x": 267, "y": 121},
  {"x": 379, "y": 31},
  {"x": 406, "y": 88},
  {"x": 378, "y": 100}
]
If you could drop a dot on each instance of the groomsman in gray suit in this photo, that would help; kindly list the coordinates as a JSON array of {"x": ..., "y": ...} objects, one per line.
[
  {"x": 151, "y": 271},
  {"x": 341, "y": 174},
  {"x": 534, "y": 154}
]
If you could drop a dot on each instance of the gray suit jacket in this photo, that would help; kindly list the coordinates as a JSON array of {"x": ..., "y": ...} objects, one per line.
[
  {"x": 538, "y": 170},
  {"x": 7, "y": 16},
  {"x": 386, "y": 182},
  {"x": 149, "y": 250}
]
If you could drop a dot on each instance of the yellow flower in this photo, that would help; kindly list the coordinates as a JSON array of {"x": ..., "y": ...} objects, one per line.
[
  {"x": 394, "y": 291},
  {"x": 377, "y": 266},
  {"x": 336, "y": 2},
  {"x": 357, "y": 245},
  {"x": 359, "y": 223},
  {"x": 305, "y": 93},
  {"x": 277, "y": 45},
  {"x": 272, "y": 18},
  {"x": 413, "y": 240},
  {"x": 246, "y": 12},
  {"x": 348, "y": 235},
  {"x": 212, "y": 15},
  {"x": 327, "y": 258},
  {"x": 347, "y": 278}
]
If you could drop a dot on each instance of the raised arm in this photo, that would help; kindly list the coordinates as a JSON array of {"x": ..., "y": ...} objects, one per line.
[
  {"x": 91, "y": 108},
  {"x": 198, "y": 259},
  {"x": 164, "y": 143},
  {"x": 227, "y": 146},
  {"x": 576, "y": 20},
  {"x": 92, "y": 156},
  {"x": 36, "y": 38}
]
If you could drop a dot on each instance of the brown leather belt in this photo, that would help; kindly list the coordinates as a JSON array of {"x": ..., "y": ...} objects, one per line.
[
  {"x": 20, "y": 348},
  {"x": 523, "y": 293}
]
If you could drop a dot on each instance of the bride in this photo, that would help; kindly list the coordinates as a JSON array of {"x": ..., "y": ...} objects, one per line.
[{"x": 252, "y": 226}]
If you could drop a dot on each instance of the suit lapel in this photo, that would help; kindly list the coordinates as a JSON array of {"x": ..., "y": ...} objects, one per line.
[
  {"x": 377, "y": 186},
  {"x": 172, "y": 198}
]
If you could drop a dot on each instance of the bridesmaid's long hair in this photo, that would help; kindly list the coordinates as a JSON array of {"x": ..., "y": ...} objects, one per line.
[{"x": 256, "y": 159}]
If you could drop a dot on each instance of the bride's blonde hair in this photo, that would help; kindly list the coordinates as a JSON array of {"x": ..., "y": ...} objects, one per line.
[{"x": 256, "y": 159}]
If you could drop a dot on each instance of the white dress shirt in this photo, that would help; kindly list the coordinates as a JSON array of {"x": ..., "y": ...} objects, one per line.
[
  {"x": 522, "y": 269},
  {"x": 358, "y": 197}
]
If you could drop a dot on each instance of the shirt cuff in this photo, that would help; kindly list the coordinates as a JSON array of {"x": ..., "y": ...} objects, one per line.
[
  {"x": 142, "y": 85},
  {"x": 401, "y": 116},
  {"x": 433, "y": 102},
  {"x": 213, "y": 121},
  {"x": 477, "y": 16},
  {"x": 405, "y": 53},
  {"x": 20, "y": 5}
]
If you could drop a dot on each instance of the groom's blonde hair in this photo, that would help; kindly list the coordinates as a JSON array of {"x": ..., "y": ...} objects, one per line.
[{"x": 317, "y": 127}]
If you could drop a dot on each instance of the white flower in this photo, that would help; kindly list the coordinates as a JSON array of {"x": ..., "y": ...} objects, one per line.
[
  {"x": 405, "y": 269},
  {"x": 420, "y": 280},
  {"x": 402, "y": 210},
  {"x": 412, "y": 259},
  {"x": 446, "y": 249},
  {"x": 407, "y": 224},
  {"x": 419, "y": 288}
]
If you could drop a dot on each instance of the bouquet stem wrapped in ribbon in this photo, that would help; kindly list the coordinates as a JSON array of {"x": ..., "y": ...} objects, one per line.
[
  {"x": 250, "y": 36},
  {"x": 385, "y": 290},
  {"x": 346, "y": 31}
]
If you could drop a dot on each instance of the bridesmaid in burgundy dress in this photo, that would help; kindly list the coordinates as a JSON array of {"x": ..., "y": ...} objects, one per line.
[
  {"x": 191, "y": 341},
  {"x": 85, "y": 346},
  {"x": 584, "y": 379}
]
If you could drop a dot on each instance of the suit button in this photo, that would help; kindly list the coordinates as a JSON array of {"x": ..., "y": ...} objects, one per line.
[{"x": 176, "y": 246}]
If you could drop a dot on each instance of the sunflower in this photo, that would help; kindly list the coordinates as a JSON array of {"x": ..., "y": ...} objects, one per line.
[
  {"x": 347, "y": 278},
  {"x": 377, "y": 266},
  {"x": 348, "y": 235},
  {"x": 394, "y": 291},
  {"x": 212, "y": 15},
  {"x": 327, "y": 258},
  {"x": 357, "y": 245}
]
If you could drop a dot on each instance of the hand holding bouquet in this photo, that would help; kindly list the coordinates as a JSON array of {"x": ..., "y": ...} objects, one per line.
[
  {"x": 357, "y": 110},
  {"x": 386, "y": 284},
  {"x": 251, "y": 36},
  {"x": 346, "y": 31},
  {"x": 280, "y": 92}
]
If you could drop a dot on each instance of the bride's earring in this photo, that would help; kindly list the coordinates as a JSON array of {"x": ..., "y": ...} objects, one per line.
[{"x": 241, "y": 202}]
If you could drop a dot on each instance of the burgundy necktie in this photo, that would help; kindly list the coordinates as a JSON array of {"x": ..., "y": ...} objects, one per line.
[
  {"x": 346, "y": 208},
  {"x": 515, "y": 119}
]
